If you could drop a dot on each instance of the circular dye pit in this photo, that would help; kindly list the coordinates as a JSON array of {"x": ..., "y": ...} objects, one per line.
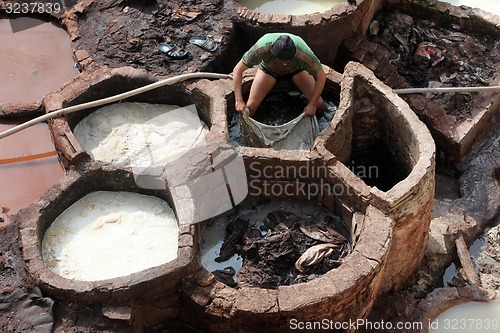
[
  {"x": 107, "y": 234},
  {"x": 35, "y": 61},
  {"x": 140, "y": 134},
  {"x": 468, "y": 317},
  {"x": 269, "y": 242},
  {"x": 289, "y": 7}
]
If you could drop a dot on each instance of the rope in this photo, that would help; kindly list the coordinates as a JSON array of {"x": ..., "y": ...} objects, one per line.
[
  {"x": 444, "y": 89},
  {"x": 111, "y": 99}
]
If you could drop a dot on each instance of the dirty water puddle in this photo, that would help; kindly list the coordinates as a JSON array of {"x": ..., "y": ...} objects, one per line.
[
  {"x": 29, "y": 166},
  {"x": 485, "y": 254},
  {"x": 452, "y": 275},
  {"x": 106, "y": 235}
]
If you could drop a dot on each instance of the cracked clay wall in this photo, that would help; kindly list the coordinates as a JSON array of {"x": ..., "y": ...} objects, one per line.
[{"x": 410, "y": 200}]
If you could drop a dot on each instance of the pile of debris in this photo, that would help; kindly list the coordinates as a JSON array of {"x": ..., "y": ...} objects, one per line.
[
  {"x": 428, "y": 55},
  {"x": 283, "y": 249}
]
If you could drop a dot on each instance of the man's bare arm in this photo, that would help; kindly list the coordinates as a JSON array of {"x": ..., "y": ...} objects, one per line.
[{"x": 238, "y": 70}]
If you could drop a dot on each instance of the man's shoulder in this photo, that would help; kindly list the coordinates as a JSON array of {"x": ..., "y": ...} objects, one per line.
[{"x": 267, "y": 39}]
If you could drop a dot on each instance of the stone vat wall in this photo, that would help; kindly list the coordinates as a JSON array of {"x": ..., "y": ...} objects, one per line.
[
  {"x": 339, "y": 295},
  {"x": 35, "y": 220},
  {"x": 104, "y": 82},
  {"x": 409, "y": 202}
]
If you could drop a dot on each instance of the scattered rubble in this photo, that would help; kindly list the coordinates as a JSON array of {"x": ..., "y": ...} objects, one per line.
[{"x": 429, "y": 55}]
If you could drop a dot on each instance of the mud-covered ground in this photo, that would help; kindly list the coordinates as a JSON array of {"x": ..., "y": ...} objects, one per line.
[
  {"x": 489, "y": 260},
  {"x": 402, "y": 306},
  {"x": 428, "y": 55},
  {"x": 120, "y": 33}
]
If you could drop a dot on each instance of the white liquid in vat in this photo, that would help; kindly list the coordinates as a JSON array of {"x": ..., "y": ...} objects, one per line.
[
  {"x": 111, "y": 234},
  {"x": 212, "y": 239},
  {"x": 468, "y": 317},
  {"x": 492, "y": 6},
  {"x": 290, "y": 7},
  {"x": 140, "y": 134}
]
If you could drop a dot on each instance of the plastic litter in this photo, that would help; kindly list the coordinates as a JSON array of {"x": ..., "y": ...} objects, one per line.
[{"x": 429, "y": 51}]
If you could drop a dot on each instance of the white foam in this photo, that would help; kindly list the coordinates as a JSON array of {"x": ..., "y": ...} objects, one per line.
[
  {"x": 140, "y": 134},
  {"x": 111, "y": 234}
]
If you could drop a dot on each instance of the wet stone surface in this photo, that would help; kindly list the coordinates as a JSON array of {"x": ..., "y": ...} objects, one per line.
[{"x": 489, "y": 259}]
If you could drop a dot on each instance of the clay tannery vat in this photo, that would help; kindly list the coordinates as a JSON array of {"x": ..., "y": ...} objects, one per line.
[
  {"x": 373, "y": 213},
  {"x": 355, "y": 205},
  {"x": 74, "y": 187},
  {"x": 376, "y": 168}
]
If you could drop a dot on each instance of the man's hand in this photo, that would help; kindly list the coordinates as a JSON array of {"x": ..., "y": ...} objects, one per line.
[
  {"x": 310, "y": 110},
  {"x": 238, "y": 70},
  {"x": 240, "y": 106}
]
